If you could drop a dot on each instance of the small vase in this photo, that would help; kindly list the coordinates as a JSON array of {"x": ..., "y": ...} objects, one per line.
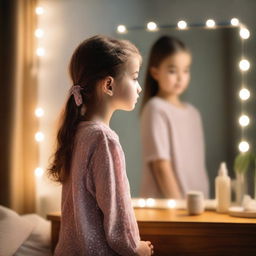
[{"x": 241, "y": 187}]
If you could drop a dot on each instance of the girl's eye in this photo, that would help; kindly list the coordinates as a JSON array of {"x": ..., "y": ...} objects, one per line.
[
  {"x": 172, "y": 71},
  {"x": 135, "y": 79}
]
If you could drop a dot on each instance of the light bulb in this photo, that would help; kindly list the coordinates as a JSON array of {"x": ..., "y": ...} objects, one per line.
[
  {"x": 244, "y": 146},
  {"x": 39, "y": 172},
  {"x": 182, "y": 24},
  {"x": 244, "y": 94},
  {"x": 244, "y": 33},
  {"x": 210, "y": 23},
  {"x": 121, "y": 29},
  {"x": 40, "y": 52},
  {"x": 150, "y": 202},
  {"x": 234, "y": 22},
  {"x": 244, "y": 65},
  {"x": 39, "y": 10},
  {"x": 142, "y": 202},
  {"x": 151, "y": 26},
  {"x": 39, "y": 33},
  {"x": 244, "y": 120},
  {"x": 39, "y": 136},
  {"x": 172, "y": 203},
  {"x": 39, "y": 112}
]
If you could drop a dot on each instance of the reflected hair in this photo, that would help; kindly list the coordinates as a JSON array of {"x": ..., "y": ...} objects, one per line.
[
  {"x": 93, "y": 60},
  {"x": 164, "y": 47}
]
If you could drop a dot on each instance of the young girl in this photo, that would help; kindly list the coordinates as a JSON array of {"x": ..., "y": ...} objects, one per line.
[
  {"x": 97, "y": 215},
  {"x": 172, "y": 135}
]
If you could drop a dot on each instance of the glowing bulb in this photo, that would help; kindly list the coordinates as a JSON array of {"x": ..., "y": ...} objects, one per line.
[
  {"x": 244, "y": 33},
  {"x": 182, "y": 24},
  {"x": 39, "y": 10},
  {"x": 39, "y": 136},
  {"x": 244, "y": 146},
  {"x": 171, "y": 203},
  {"x": 39, "y": 112},
  {"x": 244, "y": 94},
  {"x": 121, "y": 29},
  {"x": 39, "y": 33},
  {"x": 142, "y": 203},
  {"x": 244, "y": 120},
  {"x": 244, "y": 65},
  {"x": 40, "y": 52},
  {"x": 234, "y": 22},
  {"x": 151, "y": 26},
  {"x": 39, "y": 172},
  {"x": 210, "y": 23},
  {"x": 150, "y": 202}
]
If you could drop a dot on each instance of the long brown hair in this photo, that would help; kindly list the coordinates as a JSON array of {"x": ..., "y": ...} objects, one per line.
[
  {"x": 93, "y": 60},
  {"x": 164, "y": 47}
]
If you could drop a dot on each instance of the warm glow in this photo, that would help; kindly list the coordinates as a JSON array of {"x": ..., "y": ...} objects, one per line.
[
  {"x": 39, "y": 172},
  {"x": 210, "y": 23},
  {"x": 121, "y": 29},
  {"x": 244, "y": 65},
  {"x": 39, "y": 112},
  {"x": 244, "y": 120},
  {"x": 39, "y": 33},
  {"x": 234, "y": 22},
  {"x": 151, "y": 26},
  {"x": 244, "y": 94},
  {"x": 39, "y": 10},
  {"x": 39, "y": 136},
  {"x": 142, "y": 202},
  {"x": 244, "y": 33},
  {"x": 244, "y": 146},
  {"x": 40, "y": 52},
  {"x": 182, "y": 24},
  {"x": 172, "y": 203},
  {"x": 150, "y": 202}
]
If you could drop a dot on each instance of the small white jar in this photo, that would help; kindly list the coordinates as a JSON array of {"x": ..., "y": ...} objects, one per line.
[{"x": 195, "y": 202}]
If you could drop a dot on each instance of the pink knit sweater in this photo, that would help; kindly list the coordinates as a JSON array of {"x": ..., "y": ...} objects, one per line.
[{"x": 97, "y": 214}]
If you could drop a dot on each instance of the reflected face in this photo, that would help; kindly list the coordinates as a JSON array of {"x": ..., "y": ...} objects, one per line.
[
  {"x": 127, "y": 88},
  {"x": 173, "y": 74}
]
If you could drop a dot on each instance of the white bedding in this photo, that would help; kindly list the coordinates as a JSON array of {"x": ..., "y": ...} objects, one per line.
[{"x": 23, "y": 235}]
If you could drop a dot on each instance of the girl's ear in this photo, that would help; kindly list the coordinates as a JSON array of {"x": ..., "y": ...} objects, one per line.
[
  {"x": 154, "y": 72},
  {"x": 107, "y": 85}
]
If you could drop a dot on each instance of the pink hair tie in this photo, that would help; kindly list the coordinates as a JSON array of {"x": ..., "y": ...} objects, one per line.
[{"x": 75, "y": 91}]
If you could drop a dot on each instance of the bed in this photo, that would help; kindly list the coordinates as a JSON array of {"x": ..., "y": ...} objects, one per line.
[{"x": 23, "y": 235}]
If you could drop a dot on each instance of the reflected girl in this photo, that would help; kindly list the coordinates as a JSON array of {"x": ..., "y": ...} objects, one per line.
[{"x": 171, "y": 130}]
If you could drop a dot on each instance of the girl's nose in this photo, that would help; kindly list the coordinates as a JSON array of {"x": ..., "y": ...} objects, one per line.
[{"x": 179, "y": 77}]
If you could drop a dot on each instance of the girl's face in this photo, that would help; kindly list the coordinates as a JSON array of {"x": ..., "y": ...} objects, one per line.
[
  {"x": 127, "y": 88},
  {"x": 173, "y": 74}
]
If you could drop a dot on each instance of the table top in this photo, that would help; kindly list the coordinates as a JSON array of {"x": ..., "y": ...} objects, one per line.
[{"x": 176, "y": 215}]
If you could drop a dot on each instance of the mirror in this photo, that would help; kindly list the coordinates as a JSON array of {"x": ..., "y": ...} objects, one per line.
[{"x": 215, "y": 78}]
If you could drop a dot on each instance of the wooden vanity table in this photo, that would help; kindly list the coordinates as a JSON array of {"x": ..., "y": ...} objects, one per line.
[{"x": 173, "y": 232}]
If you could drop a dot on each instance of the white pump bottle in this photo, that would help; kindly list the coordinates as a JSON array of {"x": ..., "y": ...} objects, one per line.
[{"x": 223, "y": 189}]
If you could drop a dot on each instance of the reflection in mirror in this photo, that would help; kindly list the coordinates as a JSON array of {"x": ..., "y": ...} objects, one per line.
[
  {"x": 171, "y": 129},
  {"x": 212, "y": 90}
]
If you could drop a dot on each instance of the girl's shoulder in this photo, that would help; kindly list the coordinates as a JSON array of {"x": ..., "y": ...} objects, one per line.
[
  {"x": 159, "y": 105},
  {"x": 96, "y": 130},
  {"x": 155, "y": 103},
  {"x": 193, "y": 108}
]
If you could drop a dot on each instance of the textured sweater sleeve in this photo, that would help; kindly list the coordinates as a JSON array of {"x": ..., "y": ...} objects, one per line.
[{"x": 112, "y": 194}]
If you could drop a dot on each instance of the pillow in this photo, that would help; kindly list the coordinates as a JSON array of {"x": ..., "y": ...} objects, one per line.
[
  {"x": 39, "y": 241},
  {"x": 14, "y": 230}
]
